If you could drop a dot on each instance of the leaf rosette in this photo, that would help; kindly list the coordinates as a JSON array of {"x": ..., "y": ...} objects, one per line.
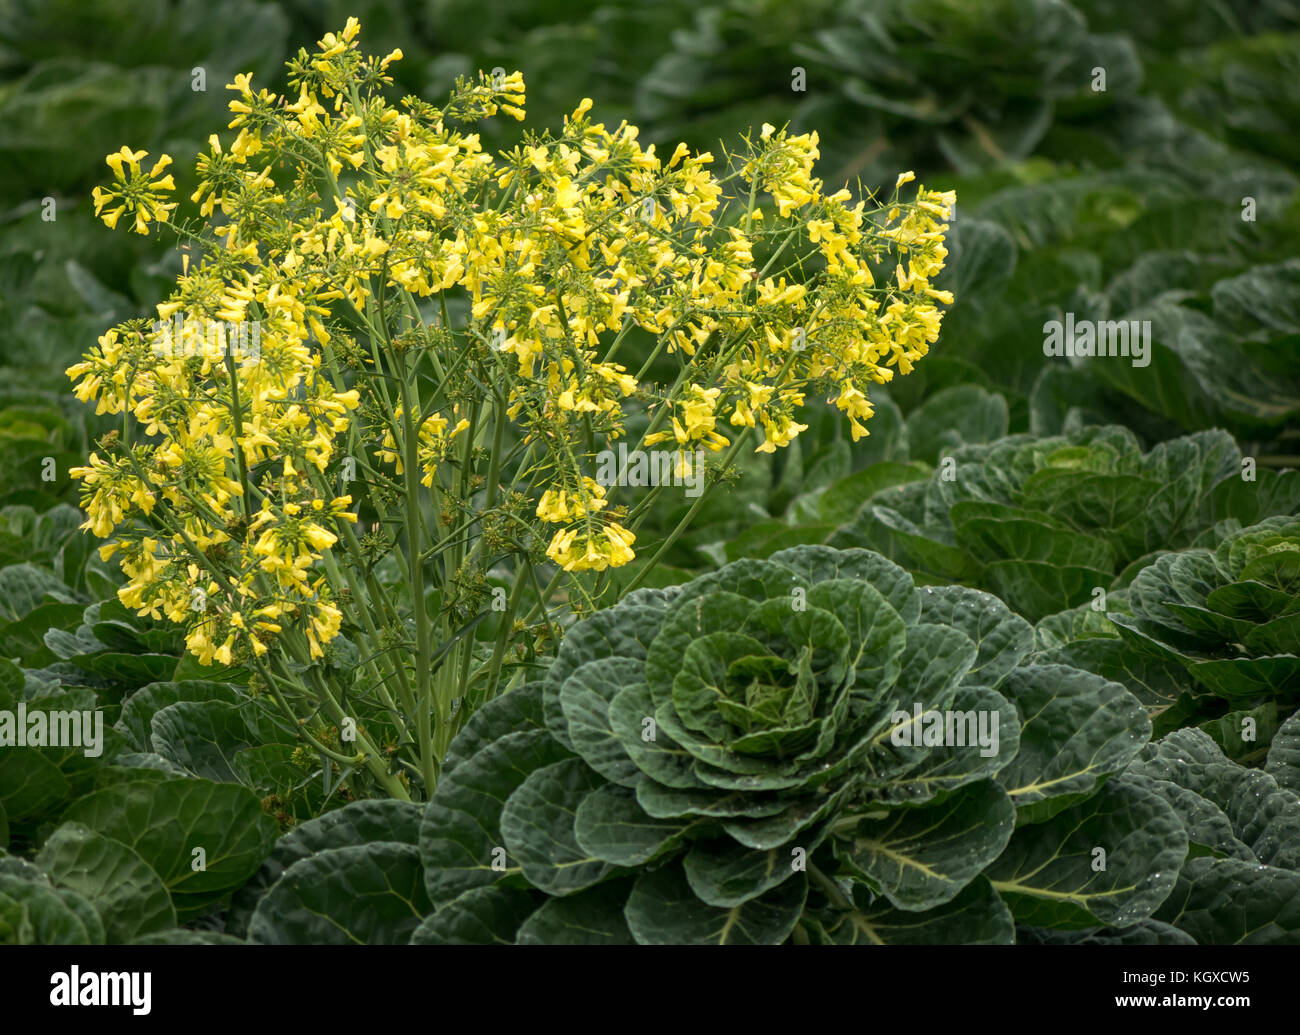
[
  {"x": 1241, "y": 884},
  {"x": 1230, "y": 615},
  {"x": 697, "y": 760},
  {"x": 1043, "y": 522}
]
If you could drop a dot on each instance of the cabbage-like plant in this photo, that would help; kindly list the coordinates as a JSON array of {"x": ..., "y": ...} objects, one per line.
[
  {"x": 1242, "y": 885},
  {"x": 1241, "y": 882},
  {"x": 1230, "y": 615},
  {"x": 807, "y": 747},
  {"x": 1044, "y": 522}
]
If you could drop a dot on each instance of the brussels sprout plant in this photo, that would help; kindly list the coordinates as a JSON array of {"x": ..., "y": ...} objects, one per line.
[
  {"x": 1230, "y": 615},
  {"x": 809, "y": 748}
]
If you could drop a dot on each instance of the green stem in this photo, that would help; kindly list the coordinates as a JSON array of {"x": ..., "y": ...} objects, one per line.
[
  {"x": 829, "y": 887},
  {"x": 685, "y": 521},
  {"x": 415, "y": 571}
]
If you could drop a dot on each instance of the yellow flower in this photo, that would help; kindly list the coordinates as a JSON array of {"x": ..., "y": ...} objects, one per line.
[
  {"x": 558, "y": 506},
  {"x": 579, "y": 243},
  {"x": 779, "y": 431},
  {"x": 324, "y": 626},
  {"x": 135, "y": 192},
  {"x": 577, "y": 550},
  {"x": 111, "y": 490},
  {"x": 854, "y": 403}
]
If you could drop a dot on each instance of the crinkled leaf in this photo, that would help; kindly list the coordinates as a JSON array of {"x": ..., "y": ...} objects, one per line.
[
  {"x": 513, "y": 712},
  {"x": 663, "y": 910},
  {"x": 934, "y": 661},
  {"x": 877, "y": 633},
  {"x": 722, "y": 872},
  {"x": 624, "y": 631},
  {"x": 984, "y": 737},
  {"x": 371, "y": 894},
  {"x": 203, "y": 737},
  {"x": 30, "y": 784},
  {"x": 919, "y": 858},
  {"x": 165, "y": 821},
  {"x": 1076, "y": 729},
  {"x": 1001, "y": 637},
  {"x": 652, "y": 750},
  {"x": 32, "y": 912},
  {"x": 357, "y": 823},
  {"x": 1051, "y": 873},
  {"x": 585, "y": 701},
  {"x": 976, "y": 916},
  {"x": 139, "y": 709},
  {"x": 1233, "y": 902},
  {"x": 610, "y": 825},
  {"x": 1284, "y": 755},
  {"x": 818, "y": 564},
  {"x": 124, "y": 889},
  {"x": 591, "y": 917},
  {"x": 487, "y": 915},
  {"x": 538, "y": 825},
  {"x": 461, "y": 839}
]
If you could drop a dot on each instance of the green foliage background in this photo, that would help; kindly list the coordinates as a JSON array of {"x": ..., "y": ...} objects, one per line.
[{"x": 1125, "y": 204}]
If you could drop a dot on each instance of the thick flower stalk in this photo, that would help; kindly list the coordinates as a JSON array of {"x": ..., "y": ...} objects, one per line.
[{"x": 373, "y": 406}]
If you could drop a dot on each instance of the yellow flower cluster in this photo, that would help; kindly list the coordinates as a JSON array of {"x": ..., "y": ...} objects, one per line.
[
  {"x": 271, "y": 415},
  {"x": 135, "y": 192},
  {"x": 575, "y": 550},
  {"x": 433, "y": 440},
  {"x": 334, "y": 217},
  {"x": 559, "y": 506}
]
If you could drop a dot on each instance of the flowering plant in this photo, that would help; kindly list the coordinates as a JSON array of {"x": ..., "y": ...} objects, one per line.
[{"x": 357, "y": 445}]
